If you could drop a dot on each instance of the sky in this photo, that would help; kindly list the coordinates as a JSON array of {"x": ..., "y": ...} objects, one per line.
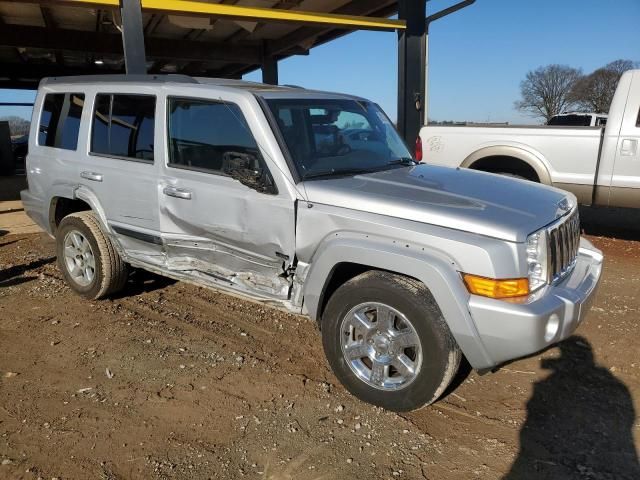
[{"x": 477, "y": 56}]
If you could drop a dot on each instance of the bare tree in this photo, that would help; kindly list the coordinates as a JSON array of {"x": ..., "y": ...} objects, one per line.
[
  {"x": 594, "y": 92},
  {"x": 545, "y": 91},
  {"x": 620, "y": 66}
]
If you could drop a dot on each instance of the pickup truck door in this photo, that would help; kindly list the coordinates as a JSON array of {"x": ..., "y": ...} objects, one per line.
[
  {"x": 218, "y": 221},
  {"x": 625, "y": 181}
]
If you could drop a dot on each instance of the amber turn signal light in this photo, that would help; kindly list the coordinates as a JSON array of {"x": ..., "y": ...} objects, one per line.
[{"x": 492, "y": 288}]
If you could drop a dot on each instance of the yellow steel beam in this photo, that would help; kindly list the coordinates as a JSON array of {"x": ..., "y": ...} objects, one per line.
[{"x": 188, "y": 7}]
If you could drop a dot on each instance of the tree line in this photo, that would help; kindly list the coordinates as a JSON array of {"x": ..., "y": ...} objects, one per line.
[{"x": 554, "y": 89}]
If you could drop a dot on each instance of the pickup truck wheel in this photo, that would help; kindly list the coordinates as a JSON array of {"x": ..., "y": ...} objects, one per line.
[
  {"x": 387, "y": 342},
  {"x": 87, "y": 259}
]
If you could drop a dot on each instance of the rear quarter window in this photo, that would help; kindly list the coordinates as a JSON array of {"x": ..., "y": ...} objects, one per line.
[{"x": 60, "y": 120}]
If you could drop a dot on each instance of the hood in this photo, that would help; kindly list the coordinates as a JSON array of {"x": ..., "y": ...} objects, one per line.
[{"x": 462, "y": 199}]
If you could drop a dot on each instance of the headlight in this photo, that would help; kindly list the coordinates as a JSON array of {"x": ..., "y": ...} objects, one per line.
[{"x": 537, "y": 259}]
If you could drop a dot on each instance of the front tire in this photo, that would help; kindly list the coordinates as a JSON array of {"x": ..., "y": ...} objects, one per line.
[
  {"x": 87, "y": 259},
  {"x": 387, "y": 342}
]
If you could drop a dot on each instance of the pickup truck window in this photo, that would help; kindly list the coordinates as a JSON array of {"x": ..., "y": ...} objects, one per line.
[
  {"x": 123, "y": 126},
  {"x": 576, "y": 120},
  {"x": 60, "y": 120},
  {"x": 327, "y": 137},
  {"x": 601, "y": 121},
  {"x": 208, "y": 136}
]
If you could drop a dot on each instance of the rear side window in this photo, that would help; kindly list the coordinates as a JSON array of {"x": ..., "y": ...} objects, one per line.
[
  {"x": 123, "y": 126},
  {"x": 208, "y": 135},
  {"x": 60, "y": 120}
]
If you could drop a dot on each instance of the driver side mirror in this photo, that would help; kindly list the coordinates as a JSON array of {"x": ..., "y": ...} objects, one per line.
[{"x": 249, "y": 170}]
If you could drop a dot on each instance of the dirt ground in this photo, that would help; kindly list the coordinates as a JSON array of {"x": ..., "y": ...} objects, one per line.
[{"x": 174, "y": 381}]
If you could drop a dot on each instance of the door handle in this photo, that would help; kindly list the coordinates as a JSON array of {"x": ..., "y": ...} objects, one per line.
[
  {"x": 93, "y": 176},
  {"x": 177, "y": 192},
  {"x": 629, "y": 148}
]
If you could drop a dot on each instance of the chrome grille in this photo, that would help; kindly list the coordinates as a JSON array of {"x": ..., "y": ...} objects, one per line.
[{"x": 564, "y": 241}]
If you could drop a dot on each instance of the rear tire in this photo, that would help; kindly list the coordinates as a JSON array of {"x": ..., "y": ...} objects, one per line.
[
  {"x": 379, "y": 318},
  {"x": 89, "y": 262}
]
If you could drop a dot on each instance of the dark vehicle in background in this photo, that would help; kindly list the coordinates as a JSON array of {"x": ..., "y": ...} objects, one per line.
[
  {"x": 13, "y": 151},
  {"x": 19, "y": 147},
  {"x": 7, "y": 163}
]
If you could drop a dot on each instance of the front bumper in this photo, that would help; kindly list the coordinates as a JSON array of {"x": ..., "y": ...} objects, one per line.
[{"x": 512, "y": 330}]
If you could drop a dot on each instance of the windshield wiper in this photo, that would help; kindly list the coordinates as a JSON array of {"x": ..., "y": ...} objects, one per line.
[
  {"x": 339, "y": 172},
  {"x": 403, "y": 161}
]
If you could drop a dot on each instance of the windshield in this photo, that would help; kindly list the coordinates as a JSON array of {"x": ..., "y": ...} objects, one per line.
[{"x": 337, "y": 137}]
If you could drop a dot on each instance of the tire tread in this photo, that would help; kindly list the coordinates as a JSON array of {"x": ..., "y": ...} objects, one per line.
[
  {"x": 114, "y": 270},
  {"x": 425, "y": 301}
]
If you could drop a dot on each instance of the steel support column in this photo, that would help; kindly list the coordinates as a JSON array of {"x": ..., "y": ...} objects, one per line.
[
  {"x": 270, "y": 71},
  {"x": 411, "y": 68},
  {"x": 133, "y": 37}
]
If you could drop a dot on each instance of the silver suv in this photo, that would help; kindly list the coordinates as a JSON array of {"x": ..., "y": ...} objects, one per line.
[{"x": 309, "y": 201}]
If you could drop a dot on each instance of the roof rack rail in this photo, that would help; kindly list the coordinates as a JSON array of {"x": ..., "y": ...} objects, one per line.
[{"x": 168, "y": 78}]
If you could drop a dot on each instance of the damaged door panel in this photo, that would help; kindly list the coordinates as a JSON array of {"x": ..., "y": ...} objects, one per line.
[
  {"x": 228, "y": 231},
  {"x": 221, "y": 217}
]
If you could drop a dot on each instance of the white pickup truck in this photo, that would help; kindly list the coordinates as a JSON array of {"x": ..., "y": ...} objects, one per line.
[{"x": 601, "y": 166}]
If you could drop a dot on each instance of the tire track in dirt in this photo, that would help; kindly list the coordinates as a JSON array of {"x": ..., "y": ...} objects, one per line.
[{"x": 233, "y": 326}]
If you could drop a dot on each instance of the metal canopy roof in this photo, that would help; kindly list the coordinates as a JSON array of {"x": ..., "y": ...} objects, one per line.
[{"x": 216, "y": 38}]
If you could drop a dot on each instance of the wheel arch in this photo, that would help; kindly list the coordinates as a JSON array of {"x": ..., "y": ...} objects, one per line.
[
  {"x": 341, "y": 273},
  {"x": 61, "y": 206},
  {"x": 91, "y": 199},
  {"x": 526, "y": 157},
  {"x": 63, "y": 203},
  {"x": 349, "y": 257}
]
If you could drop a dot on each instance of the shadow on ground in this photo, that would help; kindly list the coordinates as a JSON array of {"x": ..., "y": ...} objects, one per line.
[
  {"x": 622, "y": 223},
  {"x": 579, "y": 422},
  {"x": 9, "y": 276},
  {"x": 12, "y": 282},
  {"x": 9, "y": 242},
  {"x": 142, "y": 281}
]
